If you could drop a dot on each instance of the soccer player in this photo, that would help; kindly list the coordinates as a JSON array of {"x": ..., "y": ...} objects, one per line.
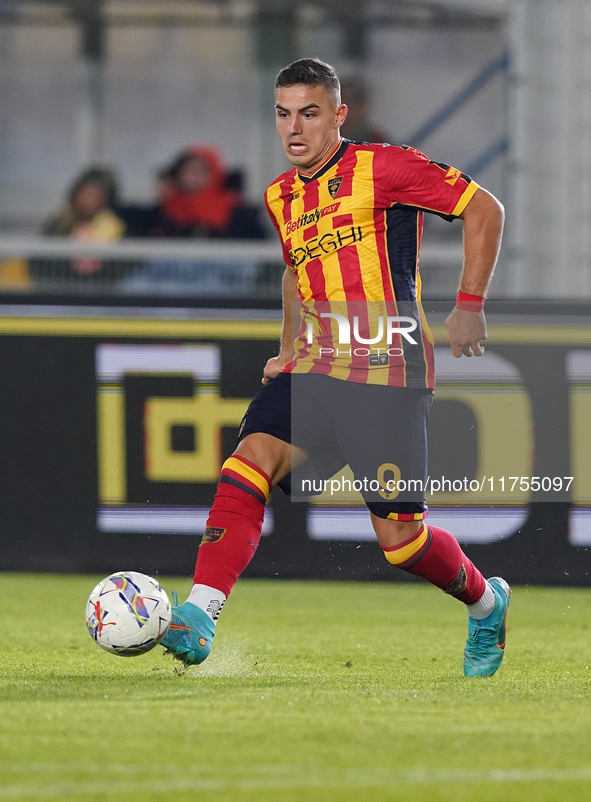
[{"x": 349, "y": 216}]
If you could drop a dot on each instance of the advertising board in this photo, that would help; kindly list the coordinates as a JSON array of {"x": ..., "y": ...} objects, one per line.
[{"x": 115, "y": 422}]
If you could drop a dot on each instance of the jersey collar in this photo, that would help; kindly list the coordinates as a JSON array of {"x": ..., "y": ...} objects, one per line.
[{"x": 330, "y": 162}]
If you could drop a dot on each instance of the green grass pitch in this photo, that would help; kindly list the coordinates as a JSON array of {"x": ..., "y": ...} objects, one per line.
[{"x": 314, "y": 691}]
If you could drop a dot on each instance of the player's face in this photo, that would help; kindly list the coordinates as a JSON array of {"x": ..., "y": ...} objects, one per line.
[{"x": 308, "y": 121}]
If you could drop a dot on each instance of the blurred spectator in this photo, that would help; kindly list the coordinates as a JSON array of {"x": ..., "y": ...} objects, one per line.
[
  {"x": 88, "y": 215},
  {"x": 196, "y": 197},
  {"x": 358, "y": 126},
  {"x": 199, "y": 203}
]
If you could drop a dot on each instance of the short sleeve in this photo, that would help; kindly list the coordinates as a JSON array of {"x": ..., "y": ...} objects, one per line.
[
  {"x": 284, "y": 248},
  {"x": 405, "y": 175}
]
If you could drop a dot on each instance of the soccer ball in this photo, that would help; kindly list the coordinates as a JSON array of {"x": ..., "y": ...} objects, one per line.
[{"x": 128, "y": 613}]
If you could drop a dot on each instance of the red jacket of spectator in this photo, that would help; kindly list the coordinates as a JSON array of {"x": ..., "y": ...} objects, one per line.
[{"x": 198, "y": 196}]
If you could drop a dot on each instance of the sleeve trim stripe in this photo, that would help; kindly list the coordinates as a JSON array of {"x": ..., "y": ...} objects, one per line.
[{"x": 467, "y": 196}]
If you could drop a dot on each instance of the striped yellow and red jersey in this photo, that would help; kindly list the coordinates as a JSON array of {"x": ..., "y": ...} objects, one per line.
[{"x": 351, "y": 232}]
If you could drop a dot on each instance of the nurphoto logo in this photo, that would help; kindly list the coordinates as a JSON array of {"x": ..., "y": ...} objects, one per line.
[{"x": 395, "y": 324}]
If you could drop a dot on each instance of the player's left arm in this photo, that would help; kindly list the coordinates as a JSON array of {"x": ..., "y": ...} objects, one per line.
[
  {"x": 483, "y": 227},
  {"x": 408, "y": 177}
]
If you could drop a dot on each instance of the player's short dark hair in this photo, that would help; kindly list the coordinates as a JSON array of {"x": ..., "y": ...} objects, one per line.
[{"x": 310, "y": 72}]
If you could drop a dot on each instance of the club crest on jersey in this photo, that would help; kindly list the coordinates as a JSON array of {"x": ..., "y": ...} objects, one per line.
[
  {"x": 334, "y": 184},
  {"x": 213, "y": 534}
]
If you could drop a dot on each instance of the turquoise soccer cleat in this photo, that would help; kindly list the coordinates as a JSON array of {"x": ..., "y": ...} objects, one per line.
[
  {"x": 190, "y": 633},
  {"x": 485, "y": 647}
]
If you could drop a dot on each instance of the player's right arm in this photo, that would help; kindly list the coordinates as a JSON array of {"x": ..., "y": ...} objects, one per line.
[{"x": 290, "y": 296}]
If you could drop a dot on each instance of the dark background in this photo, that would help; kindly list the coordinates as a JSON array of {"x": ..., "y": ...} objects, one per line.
[{"x": 48, "y": 472}]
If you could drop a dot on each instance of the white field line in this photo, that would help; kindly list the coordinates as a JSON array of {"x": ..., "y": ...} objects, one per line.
[{"x": 285, "y": 778}]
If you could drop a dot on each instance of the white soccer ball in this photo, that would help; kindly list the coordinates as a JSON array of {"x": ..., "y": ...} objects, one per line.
[{"x": 128, "y": 613}]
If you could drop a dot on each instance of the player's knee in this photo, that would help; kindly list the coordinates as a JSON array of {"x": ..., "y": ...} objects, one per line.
[
  {"x": 268, "y": 453},
  {"x": 392, "y": 532}
]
